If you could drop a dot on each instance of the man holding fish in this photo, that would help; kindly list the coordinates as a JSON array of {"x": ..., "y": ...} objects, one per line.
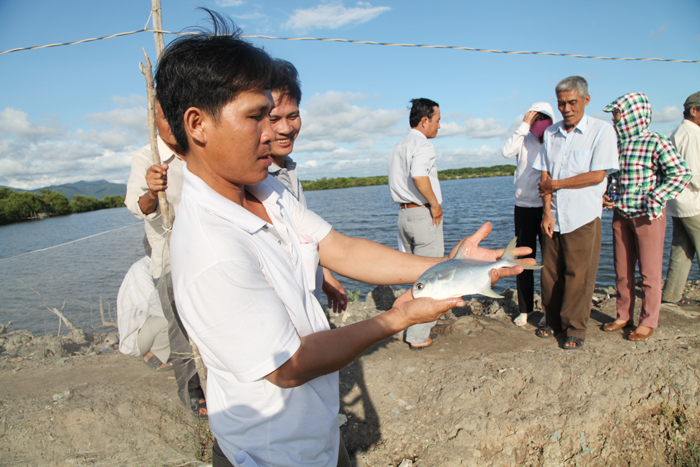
[
  {"x": 237, "y": 252},
  {"x": 576, "y": 157}
]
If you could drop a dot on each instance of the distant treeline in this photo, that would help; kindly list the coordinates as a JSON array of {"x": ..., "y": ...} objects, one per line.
[
  {"x": 18, "y": 206},
  {"x": 450, "y": 174}
]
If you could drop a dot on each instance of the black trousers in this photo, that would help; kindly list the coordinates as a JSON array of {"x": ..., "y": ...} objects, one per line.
[{"x": 527, "y": 229}]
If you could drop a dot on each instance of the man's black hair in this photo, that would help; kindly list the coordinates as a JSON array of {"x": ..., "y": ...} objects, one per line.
[
  {"x": 686, "y": 112},
  {"x": 207, "y": 71},
  {"x": 285, "y": 80},
  {"x": 421, "y": 108}
]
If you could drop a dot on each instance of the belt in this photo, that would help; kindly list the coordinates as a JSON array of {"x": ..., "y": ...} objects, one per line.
[{"x": 412, "y": 205}]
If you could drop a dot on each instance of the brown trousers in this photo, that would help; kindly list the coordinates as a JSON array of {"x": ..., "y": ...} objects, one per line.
[{"x": 569, "y": 268}]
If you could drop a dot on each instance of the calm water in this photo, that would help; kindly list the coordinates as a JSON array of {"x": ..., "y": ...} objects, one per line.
[{"x": 81, "y": 272}]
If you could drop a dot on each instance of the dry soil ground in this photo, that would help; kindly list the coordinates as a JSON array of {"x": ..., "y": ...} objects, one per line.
[{"x": 487, "y": 393}]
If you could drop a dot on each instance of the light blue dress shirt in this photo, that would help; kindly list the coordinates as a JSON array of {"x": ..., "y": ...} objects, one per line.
[{"x": 590, "y": 146}]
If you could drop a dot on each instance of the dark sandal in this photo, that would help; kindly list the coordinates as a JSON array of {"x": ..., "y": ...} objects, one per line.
[
  {"x": 573, "y": 340},
  {"x": 544, "y": 331},
  {"x": 197, "y": 403},
  {"x": 685, "y": 301}
]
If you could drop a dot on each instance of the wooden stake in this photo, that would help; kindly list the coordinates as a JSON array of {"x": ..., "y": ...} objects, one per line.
[
  {"x": 147, "y": 71},
  {"x": 158, "y": 26}
]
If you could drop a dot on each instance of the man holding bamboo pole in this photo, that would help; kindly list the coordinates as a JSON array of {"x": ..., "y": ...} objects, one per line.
[{"x": 145, "y": 182}]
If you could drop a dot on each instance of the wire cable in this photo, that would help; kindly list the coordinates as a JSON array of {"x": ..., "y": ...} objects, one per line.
[{"x": 385, "y": 44}]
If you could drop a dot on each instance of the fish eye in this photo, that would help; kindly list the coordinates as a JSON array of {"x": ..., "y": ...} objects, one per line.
[{"x": 419, "y": 286}]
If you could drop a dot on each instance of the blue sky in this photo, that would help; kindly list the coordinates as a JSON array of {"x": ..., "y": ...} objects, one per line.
[{"x": 78, "y": 112}]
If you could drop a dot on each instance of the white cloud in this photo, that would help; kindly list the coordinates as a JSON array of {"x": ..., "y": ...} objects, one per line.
[
  {"x": 333, "y": 117},
  {"x": 35, "y": 154},
  {"x": 226, "y": 3},
  {"x": 655, "y": 34},
  {"x": 333, "y": 15},
  {"x": 476, "y": 157},
  {"x": 479, "y": 128},
  {"x": 667, "y": 114}
]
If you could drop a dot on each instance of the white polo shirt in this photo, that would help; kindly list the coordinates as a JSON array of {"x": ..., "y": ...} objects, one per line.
[
  {"x": 413, "y": 156},
  {"x": 590, "y": 146},
  {"x": 241, "y": 288}
]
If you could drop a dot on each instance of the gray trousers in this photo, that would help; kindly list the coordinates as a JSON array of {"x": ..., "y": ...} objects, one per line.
[
  {"x": 684, "y": 245},
  {"x": 420, "y": 237},
  {"x": 153, "y": 336},
  {"x": 180, "y": 350}
]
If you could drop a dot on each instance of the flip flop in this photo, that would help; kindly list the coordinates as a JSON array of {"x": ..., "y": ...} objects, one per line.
[
  {"x": 544, "y": 332},
  {"x": 154, "y": 364},
  {"x": 685, "y": 301},
  {"x": 196, "y": 404}
]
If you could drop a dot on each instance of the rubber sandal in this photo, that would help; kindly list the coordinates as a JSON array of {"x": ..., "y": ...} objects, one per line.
[
  {"x": 544, "y": 332},
  {"x": 685, "y": 301},
  {"x": 196, "y": 404},
  {"x": 573, "y": 340},
  {"x": 433, "y": 338},
  {"x": 154, "y": 364}
]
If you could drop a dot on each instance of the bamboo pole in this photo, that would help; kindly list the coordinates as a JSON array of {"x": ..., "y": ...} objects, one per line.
[{"x": 158, "y": 26}]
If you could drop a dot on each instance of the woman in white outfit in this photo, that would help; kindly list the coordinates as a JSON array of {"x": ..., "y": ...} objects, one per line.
[{"x": 525, "y": 143}]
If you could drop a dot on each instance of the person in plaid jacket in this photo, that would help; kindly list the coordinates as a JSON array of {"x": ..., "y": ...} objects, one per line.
[{"x": 651, "y": 173}]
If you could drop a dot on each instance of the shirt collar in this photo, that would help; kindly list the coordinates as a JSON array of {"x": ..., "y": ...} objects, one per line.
[
  {"x": 213, "y": 202},
  {"x": 581, "y": 127},
  {"x": 167, "y": 155},
  {"x": 289, "y": 165},
  {"x": 416, "y": 132}
]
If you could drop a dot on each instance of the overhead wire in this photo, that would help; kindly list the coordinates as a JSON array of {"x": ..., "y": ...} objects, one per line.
[{"x": 352, "y": 41}]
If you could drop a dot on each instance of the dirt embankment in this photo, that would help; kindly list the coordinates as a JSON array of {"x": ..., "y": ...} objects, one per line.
[{"x": 487, "y": 393}]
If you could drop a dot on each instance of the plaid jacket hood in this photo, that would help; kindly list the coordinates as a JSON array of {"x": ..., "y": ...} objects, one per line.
[
  {"x": 651, "y": 171},
  {"x": 636, "y": 115}
]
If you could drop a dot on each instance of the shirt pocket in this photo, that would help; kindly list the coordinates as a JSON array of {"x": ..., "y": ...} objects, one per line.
[{"x": 579, "y": 162}]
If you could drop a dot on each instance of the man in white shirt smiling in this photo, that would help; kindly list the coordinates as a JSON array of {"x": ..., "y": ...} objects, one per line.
[
  {"x": 238, "y": 251},
  {"x": 578, "y": 153},
  {"x": 285, "y": 119}
]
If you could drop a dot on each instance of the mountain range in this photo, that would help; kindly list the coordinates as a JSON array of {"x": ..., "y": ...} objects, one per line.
[{"x": 95, "y": 189}]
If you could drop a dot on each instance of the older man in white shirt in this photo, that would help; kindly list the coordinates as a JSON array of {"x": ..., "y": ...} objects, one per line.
[
  {"x": 685, "y": 209},
  {"x": 577, "y": 155}
]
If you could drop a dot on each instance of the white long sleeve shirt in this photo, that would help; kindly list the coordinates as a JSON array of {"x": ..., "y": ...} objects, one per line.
[
  {"x": 686, "y": 139},
  {"x": 524, "y": 146}
]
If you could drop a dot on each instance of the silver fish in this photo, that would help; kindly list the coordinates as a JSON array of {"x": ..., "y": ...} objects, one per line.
[{"x": 464, "y": 276}]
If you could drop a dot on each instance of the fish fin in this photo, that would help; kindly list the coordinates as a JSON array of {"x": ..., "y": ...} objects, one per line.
[
  {"x": 460, "y": 254},
  {"x": 525, "y": 265},
  {"x": 447, "y": 275},
  {"x": 508, "y": 255},
  {"x": 490, "y": 293}
]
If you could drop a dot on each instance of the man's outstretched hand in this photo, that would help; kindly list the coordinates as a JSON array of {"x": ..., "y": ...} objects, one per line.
[{"x": 470, "y": 247}]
